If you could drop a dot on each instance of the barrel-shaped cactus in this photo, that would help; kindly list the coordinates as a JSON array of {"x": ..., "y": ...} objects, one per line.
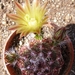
[{"x": 41, "y": 59}]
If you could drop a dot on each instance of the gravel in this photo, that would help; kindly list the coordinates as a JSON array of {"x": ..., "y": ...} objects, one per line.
[{"x": 61, "y": 12}]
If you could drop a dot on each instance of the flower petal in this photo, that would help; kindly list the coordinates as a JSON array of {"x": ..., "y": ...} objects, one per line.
[
  {"x": 44, "y": 6},
  {"x": 35, "y": 7},
  {"x": 45, "y": 20},
  {"x": 19, "y": 6},
  {"x": 14, "y": 17},
  {"x": 35, "y": 3},
  {"x": 23, "y": 34},
  {"x": 28, "y": 4},
  {"x": 17, "y": 19},
  {"x": 13, "y": 27},
  {"x": 21, "y": 29},
  {"x": 19, "y": 12}
]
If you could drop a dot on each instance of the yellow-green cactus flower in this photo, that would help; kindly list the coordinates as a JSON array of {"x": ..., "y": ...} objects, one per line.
[{"x": 29, "y": 18}]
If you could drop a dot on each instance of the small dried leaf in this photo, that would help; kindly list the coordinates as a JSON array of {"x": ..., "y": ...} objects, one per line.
[{"x": 60, "y": 34}]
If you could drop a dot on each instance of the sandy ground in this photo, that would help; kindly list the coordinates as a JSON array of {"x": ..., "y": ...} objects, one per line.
[{"x": 61, "y": 12}]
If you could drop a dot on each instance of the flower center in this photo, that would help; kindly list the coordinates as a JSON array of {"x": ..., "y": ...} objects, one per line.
[{"x": 30, "y": 21}]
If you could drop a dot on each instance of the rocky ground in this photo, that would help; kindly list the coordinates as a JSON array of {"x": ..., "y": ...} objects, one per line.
[{"x": 61, "y": 12}]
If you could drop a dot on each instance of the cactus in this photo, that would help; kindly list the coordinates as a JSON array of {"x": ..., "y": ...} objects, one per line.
[{"x": 44, "y": 56}]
